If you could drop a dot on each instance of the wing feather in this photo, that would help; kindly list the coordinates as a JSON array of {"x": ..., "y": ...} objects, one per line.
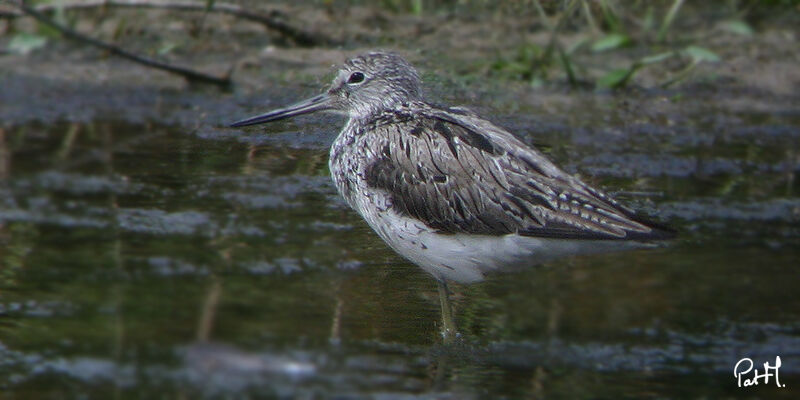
[{"x": 458, "y": 173}]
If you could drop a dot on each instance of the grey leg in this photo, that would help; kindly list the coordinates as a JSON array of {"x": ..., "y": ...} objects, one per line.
[{"x": 449, "y": 330}]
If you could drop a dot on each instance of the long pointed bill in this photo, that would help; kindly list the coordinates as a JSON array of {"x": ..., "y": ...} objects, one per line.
[{"x": 317, "y": 103}]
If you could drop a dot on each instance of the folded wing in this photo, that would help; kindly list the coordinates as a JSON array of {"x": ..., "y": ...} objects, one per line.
[{"x": 458, "y": 173}]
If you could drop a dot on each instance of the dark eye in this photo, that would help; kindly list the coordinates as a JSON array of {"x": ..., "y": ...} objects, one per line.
[{"x": 356, "y": 77}]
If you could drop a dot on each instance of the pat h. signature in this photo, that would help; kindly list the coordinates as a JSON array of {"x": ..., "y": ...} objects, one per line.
[{"x": 744, "y": 367}]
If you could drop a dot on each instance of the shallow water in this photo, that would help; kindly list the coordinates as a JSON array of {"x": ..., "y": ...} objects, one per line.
[{"x": 143, "y": 258}]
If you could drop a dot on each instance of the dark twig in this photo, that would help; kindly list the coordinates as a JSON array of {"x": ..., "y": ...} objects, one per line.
[
  {"x": 189, "y": 74},
  {"x": 270, "y": 19}
]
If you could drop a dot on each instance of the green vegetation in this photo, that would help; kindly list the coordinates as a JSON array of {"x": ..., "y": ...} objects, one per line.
[
  {"x": 633, "y": 32},
  {"x": 604, "y": 44}
]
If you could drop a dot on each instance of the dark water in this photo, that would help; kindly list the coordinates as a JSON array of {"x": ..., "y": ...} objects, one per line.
[{"x": 149, "y": 260}]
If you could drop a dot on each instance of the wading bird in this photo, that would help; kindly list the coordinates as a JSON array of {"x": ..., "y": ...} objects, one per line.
[{"x": 449, "y": 190}]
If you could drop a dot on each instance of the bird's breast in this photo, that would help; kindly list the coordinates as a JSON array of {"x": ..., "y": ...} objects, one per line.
[{"x": 350, "y": 153}]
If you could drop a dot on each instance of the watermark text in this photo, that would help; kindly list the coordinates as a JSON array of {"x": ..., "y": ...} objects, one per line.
[{"x": 743, "y": 369}]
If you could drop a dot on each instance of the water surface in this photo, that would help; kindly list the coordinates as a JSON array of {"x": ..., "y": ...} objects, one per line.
[{"x": 148, "y": 256}]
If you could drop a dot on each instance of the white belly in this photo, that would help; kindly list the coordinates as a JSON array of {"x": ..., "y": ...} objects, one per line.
[{"x": 466, "y": 258}]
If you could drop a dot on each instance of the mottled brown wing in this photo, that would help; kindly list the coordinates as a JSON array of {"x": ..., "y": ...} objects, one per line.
[{"x": 459, "y": 173}]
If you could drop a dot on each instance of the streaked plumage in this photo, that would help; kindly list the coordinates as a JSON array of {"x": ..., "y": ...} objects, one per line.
[{"x": 450, "y": 191}]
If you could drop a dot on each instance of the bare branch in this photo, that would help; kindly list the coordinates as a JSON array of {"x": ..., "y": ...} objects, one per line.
[
  {"x": 269, "y": 19},
  {"x": 189, "y": 74}
]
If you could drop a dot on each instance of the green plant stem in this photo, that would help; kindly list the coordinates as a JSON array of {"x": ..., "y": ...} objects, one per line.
[
  {"x": 553, "y": 44},
  {"x": 680, "y": 75},
  {"x": 589, "y": 17},
  {"x": 567, "y": 63},
  {"x": 665, "y": 24},
  {"x": 542, "y": 14}
]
